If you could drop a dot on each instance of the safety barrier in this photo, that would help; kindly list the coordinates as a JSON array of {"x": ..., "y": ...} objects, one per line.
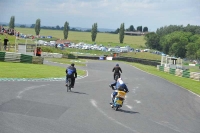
[
  {"x": 161, "y": 68},
  {"x": 138, "y": 60},
  {"x": 195, "y": 76},
  {"x": 172, "y": 71},
  {"x": 51, "y": 55},
  {"x": 2, "y": 56},
  {"x": 18, "y": 57},
  {"x": 186, "y": 74},
  {"x": 180, "y": 73},
  {"x": 166, "y": 69}
]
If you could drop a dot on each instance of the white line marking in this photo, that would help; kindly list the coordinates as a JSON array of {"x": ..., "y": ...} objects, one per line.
[
  {"x": 137, "y": 101},
  {"x": 94, "y": 103},
  {"x": 85, "y": 75},
  {"x": 29, "y": 88},
  {"x": 167, "y": 124},
  {"x": 128, "y": 106}
]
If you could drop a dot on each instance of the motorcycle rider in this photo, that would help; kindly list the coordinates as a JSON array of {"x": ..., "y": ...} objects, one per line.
[
  {"x": 119, "y": 85},
  {"x": 71, "y": 73},
  {"x": 117, "y": 69}
]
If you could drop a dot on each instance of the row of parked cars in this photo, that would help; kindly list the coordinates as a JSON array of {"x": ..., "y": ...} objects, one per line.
[
  {"x": 85, "y": 46},
  {"x": 100, "y": 47}
]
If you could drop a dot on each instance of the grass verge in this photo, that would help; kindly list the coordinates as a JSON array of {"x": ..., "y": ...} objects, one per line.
[
  {"x": 77, "y": 62},
  {"x": 20, "y": 70}
]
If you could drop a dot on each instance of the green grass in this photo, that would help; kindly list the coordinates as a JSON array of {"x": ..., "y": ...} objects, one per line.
[
  {"x": 194, "y": 68},
  {"x": 142, "y": 55},
  {"x": 186, "y": 83},
  {"x": 77, "y": 62},
  {"x": 20, "y": 70}
]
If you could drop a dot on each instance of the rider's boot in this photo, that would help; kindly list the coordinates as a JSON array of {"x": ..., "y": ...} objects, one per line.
[{"x": 112, "y": 101}]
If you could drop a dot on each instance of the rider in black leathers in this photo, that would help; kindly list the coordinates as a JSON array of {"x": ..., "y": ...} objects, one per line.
[{"x": 117, "y": 69}]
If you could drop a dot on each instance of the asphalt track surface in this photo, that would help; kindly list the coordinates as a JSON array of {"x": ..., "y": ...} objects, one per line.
[{"x": 153, "y": 104}]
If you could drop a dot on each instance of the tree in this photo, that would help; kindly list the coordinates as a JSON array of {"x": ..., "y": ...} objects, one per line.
[
  {"x": 32, "y": 26},
  {"x": 94, "y": 32},
  {"x": 145, "y": 29},
  {"x": 22, "y": 26},
  {"x": 37, "y": 27},
  {"x": 65, "y": 30},
  {"x": 58, "y": 27},
  {"x": 139, "y": 28},
  {"x": 175, "y": 43},
  {"x": 152, "y": 41},
  {"x": 117, "y": 31},
  {"x": 131, "y": 28},
  {"x": 193, "y": 49},
  {"x": 12, "y": 22},
  {"x": 121, "y": 33}
]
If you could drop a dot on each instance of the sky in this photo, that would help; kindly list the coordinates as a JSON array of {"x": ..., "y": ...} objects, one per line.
[{"x": 108, "y": 14}]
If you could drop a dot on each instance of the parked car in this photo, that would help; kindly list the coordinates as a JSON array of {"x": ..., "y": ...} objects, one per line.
[{"x": 61, "y": 46}]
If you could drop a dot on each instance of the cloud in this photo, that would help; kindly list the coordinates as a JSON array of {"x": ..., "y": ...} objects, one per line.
[{"x": 107, "y": 13}]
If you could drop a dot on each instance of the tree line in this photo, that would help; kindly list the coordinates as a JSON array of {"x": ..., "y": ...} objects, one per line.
[
  {"x": 66, "y": 28},
  {"x": 176, "y": 40}
]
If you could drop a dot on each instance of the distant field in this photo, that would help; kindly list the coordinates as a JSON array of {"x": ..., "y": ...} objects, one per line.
[{"x": 102, "y": 38}]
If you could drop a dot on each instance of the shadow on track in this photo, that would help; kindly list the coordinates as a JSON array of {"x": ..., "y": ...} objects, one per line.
[
  {"x": 125, "y": 111},
  {"x": 76, "y": 92}
]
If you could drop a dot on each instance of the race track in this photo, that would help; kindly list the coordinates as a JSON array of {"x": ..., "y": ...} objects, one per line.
[{"x": 153, "y": 104}]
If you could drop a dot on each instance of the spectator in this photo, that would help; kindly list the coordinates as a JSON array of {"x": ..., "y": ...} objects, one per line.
[
  {"x": 5, "y": 43},
  {"x": 39, "y": 51}
]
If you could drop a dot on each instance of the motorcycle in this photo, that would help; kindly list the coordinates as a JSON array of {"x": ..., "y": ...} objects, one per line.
[
  {"x": 116, "y": 77},
  {"x": 118, "y": 100}
]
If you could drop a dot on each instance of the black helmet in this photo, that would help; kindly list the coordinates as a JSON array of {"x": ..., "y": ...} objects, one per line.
[
  {"x": 72, "y": 64},
  {"x": 117, "y": 64}
]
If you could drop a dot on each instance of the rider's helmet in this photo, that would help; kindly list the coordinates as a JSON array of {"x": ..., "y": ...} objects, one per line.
[
  {"x": 120, "y": 80},
  {"x": 117, "y": 64},
  {"x": 72, "y": 64}
]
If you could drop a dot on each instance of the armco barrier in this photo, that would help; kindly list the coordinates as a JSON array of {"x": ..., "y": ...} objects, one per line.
[
  {"x": 138, "y": 60},
  {"x": 89, "y": 57},
  {"x": 17, "y": 57},
  {"x": 12, "y": 57},
  {"x": 51, "y": 55},
  {"x": 2, "y": 56},
  {"x": 26, "y": 58}
]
